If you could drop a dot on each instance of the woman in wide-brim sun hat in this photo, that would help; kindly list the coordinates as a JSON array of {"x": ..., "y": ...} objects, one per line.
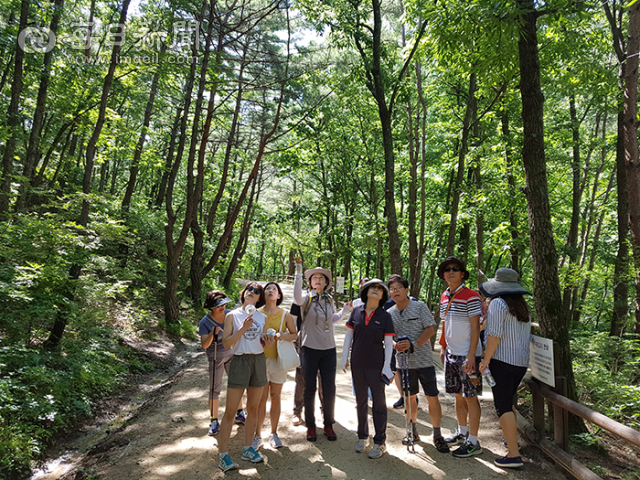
[
  {"x": 317, "y": 344},
  {"x": 507, "y": 354}
]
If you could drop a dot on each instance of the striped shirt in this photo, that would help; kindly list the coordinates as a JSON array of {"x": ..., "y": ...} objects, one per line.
[
  {"x": 514, "y": 335},
  {"x": 457, "y": 327},
  {"x": 411, "y": 322}
]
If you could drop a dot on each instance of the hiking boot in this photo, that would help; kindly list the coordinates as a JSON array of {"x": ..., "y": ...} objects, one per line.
[
  {"x": 467, "y": 449},
  {"x": 399, "y": 403},
  {"x": 456, "y": 438},
  {"x": 256, "y": 443},
  {"x": 296, "y": 420},
  {"x": 361, "y": 445},
  {"x": 226, "y": 463},
  {"x": 275, "y": 441},
  {"x": 241, "y": 417},
  {"x": 214, "y": 428},
  {"x": 377, "y": 451},
  {"x": 441, "y": 445},
  {"x": 251, "y": 455},
  {"x": 311, "y": 434},
  {"x": 329, "y": 433},
  {"x": 506, "y": 462}
]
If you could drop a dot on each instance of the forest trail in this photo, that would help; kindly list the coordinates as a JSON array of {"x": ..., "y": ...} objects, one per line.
[{"x": 168, "y": 438}]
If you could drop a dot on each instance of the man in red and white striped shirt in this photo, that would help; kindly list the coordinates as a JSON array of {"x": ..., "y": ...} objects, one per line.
[{"x": 460, "y": 310}]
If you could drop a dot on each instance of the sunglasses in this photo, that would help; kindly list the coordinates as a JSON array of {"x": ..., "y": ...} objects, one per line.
[
  {"x": 256, "y": 290},
  {"x": 452, "y": 269}
]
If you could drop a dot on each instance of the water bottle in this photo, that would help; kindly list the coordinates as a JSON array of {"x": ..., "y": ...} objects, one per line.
[
  {"x": 271, "y": 333},
  {"x": 488, "y": 377}
]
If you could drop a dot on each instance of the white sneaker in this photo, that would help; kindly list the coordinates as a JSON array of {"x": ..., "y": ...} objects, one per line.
[
  {"x": 257, "y": 443},
  {"x": 275, "y": 441},
  {"x": 377, "y": 451},
  {"x": 361, "y": 445}
]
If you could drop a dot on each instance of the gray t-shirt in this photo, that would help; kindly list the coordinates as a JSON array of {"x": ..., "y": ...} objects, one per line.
[{"x": 411, "y": 322}]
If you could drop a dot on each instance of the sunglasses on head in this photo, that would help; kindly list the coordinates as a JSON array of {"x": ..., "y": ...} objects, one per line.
[
  {"x": 454, "y": 269},
  {"x": 256, "y": 290}
]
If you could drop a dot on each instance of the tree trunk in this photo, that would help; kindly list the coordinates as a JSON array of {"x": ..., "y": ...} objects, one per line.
[
  {"x": 546, "y": 284},
  {"x": 572, "y": 240},
  {"x": 175, "y": 247},
  {"x": 33, "y": 149},
  {"x": 166, "y": 172},
  {"x": 137, "y": 154},
  {"x": 74, "y": 273},
  {"x": 462, "y": 155},
  {"x": 13, "y": 119},
  {"x": 632, "y": 159},
  {"x": 243, "y": 238}
]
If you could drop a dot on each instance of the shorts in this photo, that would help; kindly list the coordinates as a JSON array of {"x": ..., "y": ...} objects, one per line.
[
  {"x": 216, "y": 369},
  {"x": 247, "y": 371},
  {"x": 426, "y": 376},
  {"x": 275, "y": 374},
  {"x": 455, "y": 378}
]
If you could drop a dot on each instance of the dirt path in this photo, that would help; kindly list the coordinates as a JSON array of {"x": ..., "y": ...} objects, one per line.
[{"x": 168, "y": 439}]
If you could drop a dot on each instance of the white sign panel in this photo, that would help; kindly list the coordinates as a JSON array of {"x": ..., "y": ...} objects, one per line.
[
  {"x": 541, "y": 360},
  {"x": 340, "y": 284}
]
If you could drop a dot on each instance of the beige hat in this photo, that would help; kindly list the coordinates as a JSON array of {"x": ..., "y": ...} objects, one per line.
[{"x": 312, "y": 271}]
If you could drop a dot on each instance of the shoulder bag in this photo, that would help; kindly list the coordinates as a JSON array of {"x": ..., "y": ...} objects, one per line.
[{"x": 287, "y": 356}]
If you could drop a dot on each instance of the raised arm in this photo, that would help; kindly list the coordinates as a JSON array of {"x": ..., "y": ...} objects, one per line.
[{"x": 297, "y": 284}]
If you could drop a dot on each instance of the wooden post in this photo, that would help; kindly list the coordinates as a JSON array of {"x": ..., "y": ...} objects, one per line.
[
  {"x": 538, "y": 413},
  {"x": 561, "y": 417}
]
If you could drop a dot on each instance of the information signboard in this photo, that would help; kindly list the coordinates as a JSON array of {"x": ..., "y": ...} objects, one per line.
[{"x": 541, "y": 360}]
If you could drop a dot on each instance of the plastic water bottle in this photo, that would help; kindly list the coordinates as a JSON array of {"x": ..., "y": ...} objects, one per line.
[
  {"x": 271, "y": 333},
  {"x": 488, "y": 377}
]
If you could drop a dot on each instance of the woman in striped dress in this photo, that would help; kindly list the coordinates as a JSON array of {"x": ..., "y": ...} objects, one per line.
[{"x": 508, "y": 334}]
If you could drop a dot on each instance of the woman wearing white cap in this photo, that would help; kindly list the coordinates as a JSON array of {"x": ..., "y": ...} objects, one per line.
[
  {"x": 507, "y": 352},
  {"x": 210, "y": 331},
  {"x": 318, "y": 344},
  {"x": 370, "y": 338}
]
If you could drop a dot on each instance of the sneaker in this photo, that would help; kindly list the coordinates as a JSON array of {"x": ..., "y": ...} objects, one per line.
[
  {"x": 399, "y": 403},
  {"x": 251, "y": 455},
  {"x": 329, "y": 433},
  {"x": 456, "y": 438},
  {"x": 256, "y": 443},
  {"x": 467, "y": 449},
  {"x": 241, "y": 417},
  {"x": 441, "y": 445},
  {"x": 311, "y": 434},
  {"x": 361, "y": 445},
  {"x": 214, "y": 428},
  {"x": 275, "y": 441},
  {"x": 296, "y": 420},
  {"x": 226, "y": 463},
  {"x": 506, "y": 462},
  {"x": 416, "y": 437},
  {"x": 377, "y": 451}
]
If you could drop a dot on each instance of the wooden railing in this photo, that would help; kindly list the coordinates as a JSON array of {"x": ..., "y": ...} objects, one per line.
[{"x": 561, "y": 408}]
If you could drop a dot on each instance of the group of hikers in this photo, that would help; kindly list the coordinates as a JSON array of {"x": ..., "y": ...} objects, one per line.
[{"x": 385, "y": 327}]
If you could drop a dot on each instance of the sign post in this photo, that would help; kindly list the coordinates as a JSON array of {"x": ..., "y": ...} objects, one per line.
[{"x": 541, "y": 360}]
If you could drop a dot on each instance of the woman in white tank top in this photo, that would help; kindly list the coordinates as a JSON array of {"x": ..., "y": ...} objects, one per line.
[{"x": 244, "y": 334}]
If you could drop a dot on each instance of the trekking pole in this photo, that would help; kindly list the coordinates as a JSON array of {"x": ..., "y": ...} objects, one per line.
[{"x": 408, "y": 440}]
